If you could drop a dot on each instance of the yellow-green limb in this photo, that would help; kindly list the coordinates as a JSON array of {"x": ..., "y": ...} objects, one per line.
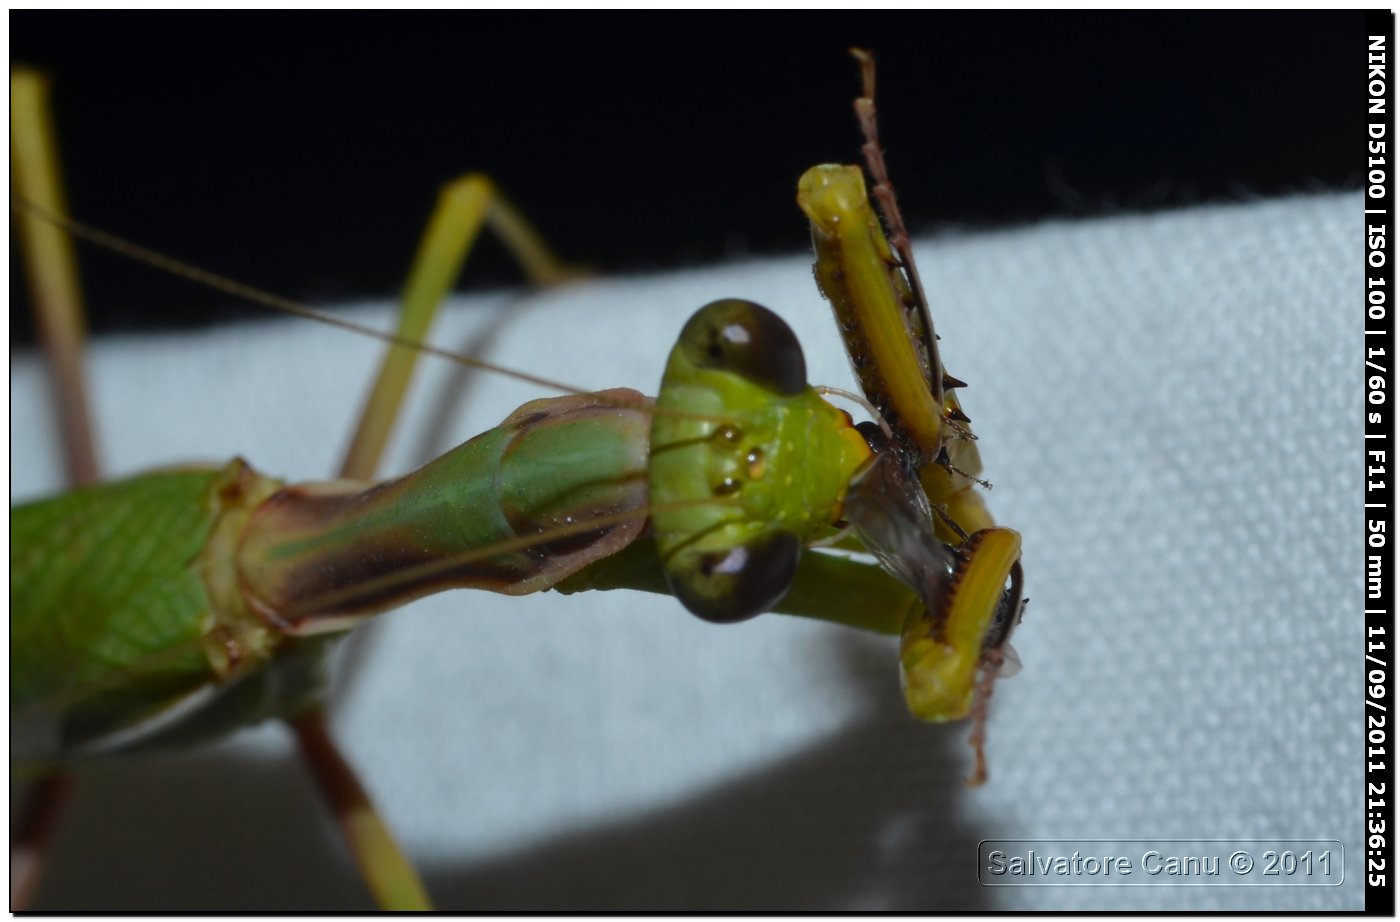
[
  {"x": 859, "y": 274},
  {"x": 464, "y": 206},
  {"x": 941, "y": 650},
  {"x": 392, "y": 880},
  {"x": 51, "y": 266}
]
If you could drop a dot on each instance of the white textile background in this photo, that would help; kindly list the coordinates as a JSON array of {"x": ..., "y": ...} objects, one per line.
[{"x": 1169, "y": 406}]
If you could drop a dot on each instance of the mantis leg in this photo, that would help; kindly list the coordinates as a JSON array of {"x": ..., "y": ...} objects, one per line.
[
  {"x": 464, "y": 206},
  {"x": 51, "y": 267},
  {"x": 391, "y": 879}
]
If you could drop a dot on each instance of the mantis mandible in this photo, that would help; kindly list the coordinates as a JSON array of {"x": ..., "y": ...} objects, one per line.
[{"x": 951, "y": 597}]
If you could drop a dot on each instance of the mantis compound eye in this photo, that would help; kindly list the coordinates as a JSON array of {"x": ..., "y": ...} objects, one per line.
[
  {"x": 725, "y": 586},
  {"x": 740, "y": 446},
  {"x": 749, "y": 340}
]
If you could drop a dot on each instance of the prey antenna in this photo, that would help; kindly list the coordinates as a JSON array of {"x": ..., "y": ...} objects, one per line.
[{"x": 889, "y": 210}]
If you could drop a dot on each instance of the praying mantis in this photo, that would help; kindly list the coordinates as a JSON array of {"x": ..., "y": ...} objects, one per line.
[{"x": 926, "y": 441}]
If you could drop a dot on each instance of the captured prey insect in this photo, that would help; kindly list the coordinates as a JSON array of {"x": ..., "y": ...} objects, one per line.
[{"x": 171, "y": 607}]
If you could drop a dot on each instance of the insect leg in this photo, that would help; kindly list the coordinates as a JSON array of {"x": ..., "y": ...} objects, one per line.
[
  {"x": 464, "y": 206},
  {"x": 51, "y": 266},
  {"x": 392, "y": 880},
  {"x": 52, "y": 269}
]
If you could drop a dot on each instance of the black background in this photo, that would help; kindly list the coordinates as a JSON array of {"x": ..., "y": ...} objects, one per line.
[{"x": 301, "y": 152}]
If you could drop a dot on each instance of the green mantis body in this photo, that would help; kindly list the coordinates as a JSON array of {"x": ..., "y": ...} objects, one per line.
[
  {"x": 823, "y": 515},
  {"x": 439, "y": 656},
  {"x": 221, "y": 570}
]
